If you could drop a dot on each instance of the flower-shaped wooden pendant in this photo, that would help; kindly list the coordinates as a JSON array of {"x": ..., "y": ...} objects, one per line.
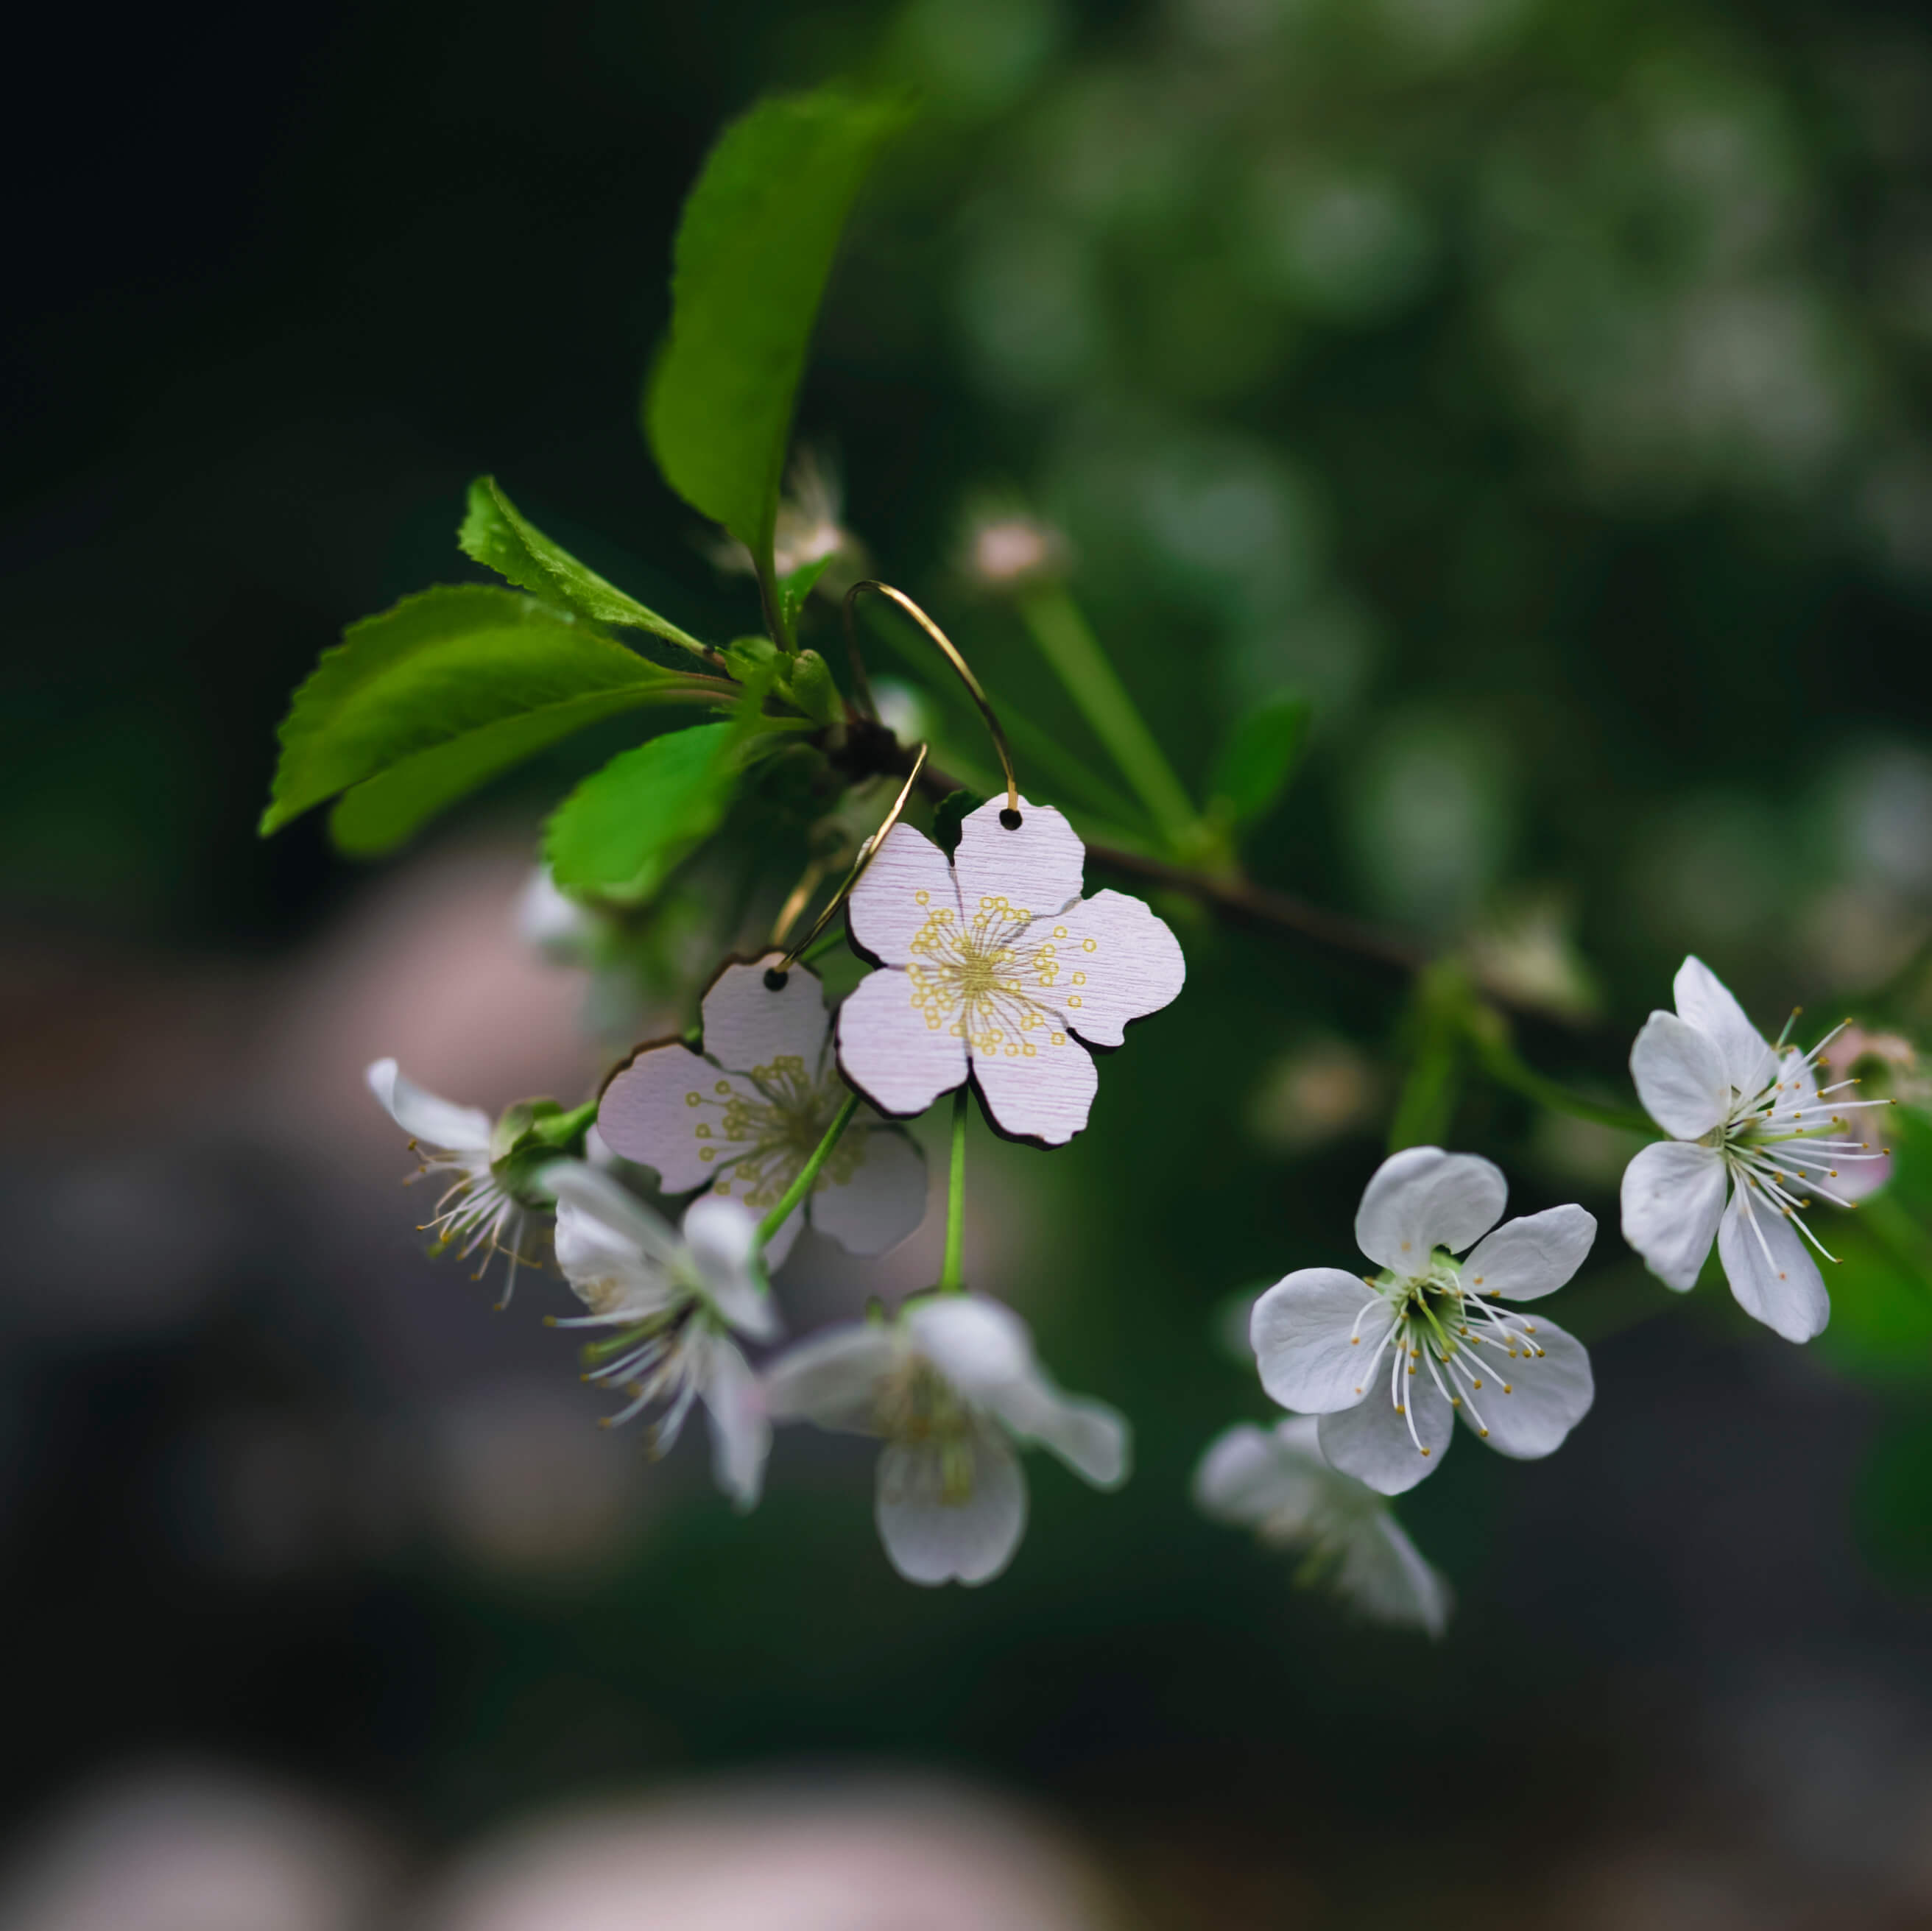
[
  {"x": 994, "y": 967},
  {"x": 744, "y": 1116}
]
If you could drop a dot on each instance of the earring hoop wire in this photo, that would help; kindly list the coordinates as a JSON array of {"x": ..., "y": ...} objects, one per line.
[
  {"x": 868, "y": 852},
  {"x": 950, "y": 653}
]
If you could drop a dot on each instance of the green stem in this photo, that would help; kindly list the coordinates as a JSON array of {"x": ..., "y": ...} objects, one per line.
[
  {"x": 1067, "y": 641},
  {"x": 1500, "y": 1062},
  {"x": 769, "y": 597},
  {"x": 826, "y": 942},
  {"x": 807, "y": 1174},
  {"x": 950, "y": 1279},
  {"x": 568, "y": 1129}
]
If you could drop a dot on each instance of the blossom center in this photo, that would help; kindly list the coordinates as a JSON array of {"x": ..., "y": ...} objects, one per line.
[
  {"x": 977, "y": 978},
  {"x": 1446, "y": 1326},
  {"x": 779, "y": 1126},
  {"x": 917, "y": 1408}
]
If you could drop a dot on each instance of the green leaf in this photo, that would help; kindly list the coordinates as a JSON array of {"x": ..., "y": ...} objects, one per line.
[
  {"x": 753, "y": 253},
  {"x": 441, "y": 692},
  {"x": 626, "y": 828},
  {"x": 496, "y": 534},
  {"x": 1259, "y": 756},
  {"x": 794, "y": 589}
]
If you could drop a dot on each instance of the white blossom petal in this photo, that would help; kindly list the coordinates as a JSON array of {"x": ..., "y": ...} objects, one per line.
[
  {"x": 1680, "y": 1076},
  {"x": 908, "y": 880},
  {"x": 722, "y": 1237},
  {"x": 1549, "y": 1392},
  {"x": 1704, "y": 1000},
  {"x": 1531, "y": 1256},
  {"x": 833, "y": 1378},
  {"x": 1253, "y": 1476},
  {"x": 933, "y": 1534},
  {"x": 1673, "y": 1193},
  {"x": 1103, "y": 962},
  {"x": 899, "y": 1057},
  {"x": 1371, "y": 1442},
  {"x": 1039, "y": 1089},
  {"x": 1090, "y": 1437},
  {"x": 422, "y": 1116},
  {"x": 877, "y": 1201},
  {"x": 617, "y": 1210},
  {"x": 1036, "y": 868},
  {"x": 1384, "y": 1574},
  {"x": 980, "y": 1347},
  {"x": 1423, "y": 1198},
  {"x": 741, "y": 1434},
  {"x": 1316, "y": 1335},
  {"x": 749, "y": 1025},
  {"x": 672, "y": 1110},
  {"x": 606, "y": 1270},
  {"x": 1771, "y": 1269}
]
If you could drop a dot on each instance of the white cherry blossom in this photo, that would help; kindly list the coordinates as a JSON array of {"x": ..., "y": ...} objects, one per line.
[
  {"x": 1746, "y": 1119},
  {"x": 676, "y": 1301},
  {"x": 994, "y": 966},
  {"x": 1388, "y": 1361},
  {"x": 745, "y": 1115},
  {"x": 949, "y": 1385},
  {"x": 1277, "y": 1482},
  {"x": 476, "y": 1211}
]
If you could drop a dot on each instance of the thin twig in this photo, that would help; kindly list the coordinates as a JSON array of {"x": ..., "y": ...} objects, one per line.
[{"x": 1263, "y": 905}]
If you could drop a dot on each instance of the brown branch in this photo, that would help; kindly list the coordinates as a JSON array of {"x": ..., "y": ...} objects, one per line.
[{"x": 1261, "y": 905}]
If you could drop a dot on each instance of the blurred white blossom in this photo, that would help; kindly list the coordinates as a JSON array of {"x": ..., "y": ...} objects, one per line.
[
  {"x": 1277, "y": 1482},
  {"x": 949, "y": 1385}
]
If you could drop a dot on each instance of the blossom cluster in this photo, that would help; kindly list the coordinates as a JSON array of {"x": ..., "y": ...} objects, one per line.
[{"x": 764, "y": 1124}]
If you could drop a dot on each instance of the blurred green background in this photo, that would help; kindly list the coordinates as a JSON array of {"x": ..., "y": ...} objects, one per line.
[{"x": 1540, "y": 389}]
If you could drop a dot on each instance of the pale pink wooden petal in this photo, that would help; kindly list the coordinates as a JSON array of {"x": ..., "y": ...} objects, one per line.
[
  {"x": 875, "y": 1199},
  {"x": 1038, "y": 1086},
  {"x": 1103, "y": 962},
  {"x": 899, "y": 1057},
  {"x": 905, "y": 884},
  {"x": 749, "y": 1025},
  {"x": 673, "y": 1109},
  {"x": 1036, "y": 869}
]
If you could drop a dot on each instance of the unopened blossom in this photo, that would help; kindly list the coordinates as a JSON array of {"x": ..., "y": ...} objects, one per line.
[
  {"x": 675, "y": 1300},
  {"x": 744, "y": 1115},
  {"x": 478, "y": 1211},
  {"x": 1747, "y": 1120},
  {"x": 1278, "y": 1483},
  {"x": 994, "y": 966},
  {"x": 807, "y": 528},
  {"x": 1388, "y": 1360},
  {"x": 949, "y": 1385},
  {"x": 1008, "y": 550}
]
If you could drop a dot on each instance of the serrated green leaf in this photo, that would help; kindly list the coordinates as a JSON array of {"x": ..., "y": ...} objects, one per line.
[
  {"x": 377, "y": 815},
  {"x": 496, "y": 534},
  {"x": 450, "y": 672},
  {"x": 753, "y": 252},
  {"x": 626, "y": 828},
  {"x": 1259, "y": 756}
]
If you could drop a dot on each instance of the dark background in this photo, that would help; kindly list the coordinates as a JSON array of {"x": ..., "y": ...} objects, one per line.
[{"x": 1541, "y": 389}]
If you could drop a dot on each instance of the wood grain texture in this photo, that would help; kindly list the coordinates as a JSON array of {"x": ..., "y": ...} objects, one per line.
[{"x": 997, "y": 968}]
